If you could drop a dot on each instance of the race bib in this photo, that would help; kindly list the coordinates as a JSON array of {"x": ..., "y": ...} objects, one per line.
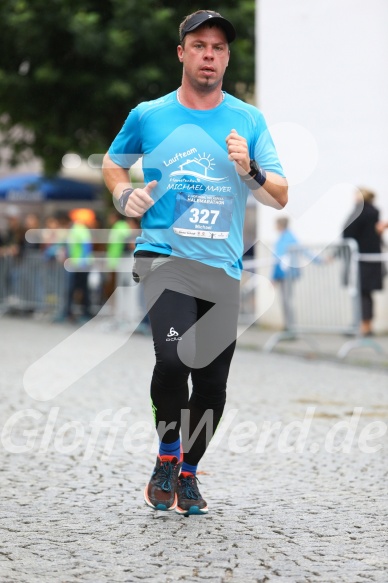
[{"x": 203, "y": 215}]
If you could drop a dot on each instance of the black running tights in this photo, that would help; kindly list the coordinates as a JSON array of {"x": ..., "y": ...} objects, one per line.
[{"x": 196, "y": 337}]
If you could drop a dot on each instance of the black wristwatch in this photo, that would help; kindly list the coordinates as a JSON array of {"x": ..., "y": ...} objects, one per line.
[
  {"x": 255, "y": 168},
  {"x": 258, "y": 174}
]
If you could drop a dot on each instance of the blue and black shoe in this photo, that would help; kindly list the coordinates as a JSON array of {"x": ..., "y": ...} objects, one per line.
[
  {"x": 190, "y": 500},
  {"x": 160, "y": 492}
]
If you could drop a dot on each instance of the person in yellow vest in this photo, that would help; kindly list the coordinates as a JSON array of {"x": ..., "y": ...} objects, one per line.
[{"x": 119, "y": 234}]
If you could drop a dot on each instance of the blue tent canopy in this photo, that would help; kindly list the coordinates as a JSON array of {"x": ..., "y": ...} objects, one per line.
[{"x": 37, "y": 188}]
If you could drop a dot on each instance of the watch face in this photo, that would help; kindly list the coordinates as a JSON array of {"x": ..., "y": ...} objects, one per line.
[{"x": 254, "y": 168}]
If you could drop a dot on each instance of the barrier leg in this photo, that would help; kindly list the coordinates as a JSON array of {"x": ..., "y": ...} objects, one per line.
[{"x": 359, "y": 343}]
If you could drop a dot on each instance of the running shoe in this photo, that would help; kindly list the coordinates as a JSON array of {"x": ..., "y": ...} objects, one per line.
[
  {"x": 160, "y": 492},
  {"x": 190, "y": 500}
]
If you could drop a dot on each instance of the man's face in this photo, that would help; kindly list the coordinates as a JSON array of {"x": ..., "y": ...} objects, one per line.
[{"x": 205, "y": 56}]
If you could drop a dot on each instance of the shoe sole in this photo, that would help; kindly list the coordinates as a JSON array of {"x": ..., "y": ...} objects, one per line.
[
  {"x": 159, "y": 506},
  {"x": 193, "y": 510}
]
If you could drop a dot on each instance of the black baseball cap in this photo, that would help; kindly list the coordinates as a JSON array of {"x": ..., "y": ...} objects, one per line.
[{"x": 199, "y": 19}]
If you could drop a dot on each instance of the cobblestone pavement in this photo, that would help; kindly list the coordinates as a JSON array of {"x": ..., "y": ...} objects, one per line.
[{"x": 295, "y": 478}]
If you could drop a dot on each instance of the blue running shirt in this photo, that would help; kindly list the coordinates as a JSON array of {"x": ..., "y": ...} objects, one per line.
[{"x": 200, "y": 200}]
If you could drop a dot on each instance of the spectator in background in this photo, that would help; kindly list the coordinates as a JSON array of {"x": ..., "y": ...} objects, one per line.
[
  {"x": 119, "y": 234},
  {"x": 284, "y": 272},
  {"x": 50, "y": 237},
  {"x": 120, "y": 245},
  {"x": 79, "y": 250},
  {"x": 32, "y": 264},
  {"x": 55, "y": 250},
  {"x": 366, "y": 229},
  {"x": 11, "y": 248},
  {"x": 13, "y": 237},
  {"x": 31, "y": 221},
  {"x": 55, "y": 236}
]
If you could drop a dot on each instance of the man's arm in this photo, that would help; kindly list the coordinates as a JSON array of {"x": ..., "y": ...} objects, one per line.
[
  {"x": 274, "y": 191},
  {"x": 118, "y": 182}
]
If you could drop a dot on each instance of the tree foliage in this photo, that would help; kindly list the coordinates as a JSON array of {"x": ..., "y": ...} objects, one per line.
[{"x": 70, "y": 70}]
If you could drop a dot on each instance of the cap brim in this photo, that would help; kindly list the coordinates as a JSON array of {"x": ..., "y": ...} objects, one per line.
[{"x": 200, "y": 19}]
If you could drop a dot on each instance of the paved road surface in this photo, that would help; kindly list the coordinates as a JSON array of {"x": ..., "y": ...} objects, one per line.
[{"x": 296, "y": 479}]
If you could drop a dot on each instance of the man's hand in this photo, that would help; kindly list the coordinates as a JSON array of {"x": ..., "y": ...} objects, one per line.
[
  {"x": 238, "y": 152},
  {"x": 139, "y": 201},
  {"x": 274, "y": 193},
  {"x": 117, "y": 181}
]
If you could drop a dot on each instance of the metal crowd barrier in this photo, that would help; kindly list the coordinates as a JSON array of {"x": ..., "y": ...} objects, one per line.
[
  {"x": 322, "y": 290},
  {"x": 322, "y": 286},
  {"x": 35, "y": 283},
  {"x": 31, "y": 283}
]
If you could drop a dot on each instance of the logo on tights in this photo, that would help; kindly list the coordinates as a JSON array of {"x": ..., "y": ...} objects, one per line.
[{"x": 173, "y": 335}]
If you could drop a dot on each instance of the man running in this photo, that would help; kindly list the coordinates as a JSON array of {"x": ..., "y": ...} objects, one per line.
[{"x": 203, "y": 151}]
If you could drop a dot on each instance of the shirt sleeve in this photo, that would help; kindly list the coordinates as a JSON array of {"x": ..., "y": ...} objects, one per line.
[
  {"x": 126, "y": 148},
  {"x": 265, "y": 151}
]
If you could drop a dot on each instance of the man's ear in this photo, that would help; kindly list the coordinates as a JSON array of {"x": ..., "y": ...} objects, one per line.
[{"x": 180, "y": 53}]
